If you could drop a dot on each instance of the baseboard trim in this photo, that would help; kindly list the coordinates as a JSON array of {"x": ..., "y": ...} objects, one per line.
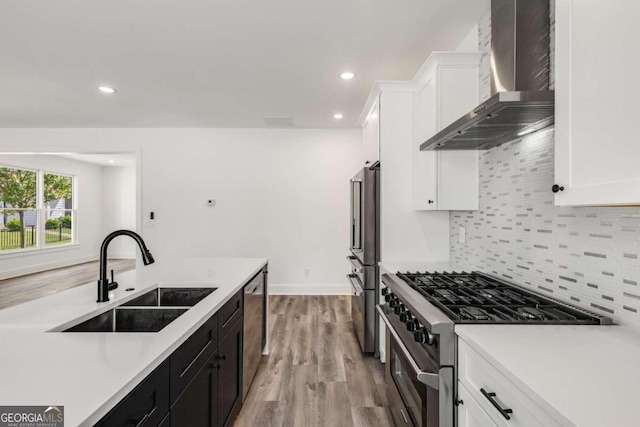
[
  {"x": 36, "y": 268},
  {"x": 309, "y": 289}
]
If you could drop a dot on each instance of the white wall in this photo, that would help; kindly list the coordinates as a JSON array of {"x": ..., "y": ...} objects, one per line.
[
  {"x": 281, "y": 193},
  {"x": 119, "y": 204},
  {"x": 88, "y": 221},
  {"x": 470, "y": 42}
]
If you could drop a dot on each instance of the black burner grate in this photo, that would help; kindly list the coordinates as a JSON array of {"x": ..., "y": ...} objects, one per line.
[{"x": 477, "y": 298}]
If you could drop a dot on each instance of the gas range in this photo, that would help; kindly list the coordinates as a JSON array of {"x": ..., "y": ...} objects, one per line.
[
  {"x": 421, "y": 310},
  {"x": 478, "y": 298}
]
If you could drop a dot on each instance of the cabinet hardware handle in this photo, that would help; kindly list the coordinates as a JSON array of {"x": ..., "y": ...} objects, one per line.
[
  {"x": 504, "y": 411},
  {"x": 216, "y": 365},
  {"x": 459, "y": 402},
  {"x": 404, "y": 417},
  {"x": 557, "y": 188},
  {"x": 430, "y": 201}
]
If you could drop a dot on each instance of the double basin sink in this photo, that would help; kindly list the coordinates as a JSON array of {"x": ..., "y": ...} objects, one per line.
[{"x": 150, "y": 312}]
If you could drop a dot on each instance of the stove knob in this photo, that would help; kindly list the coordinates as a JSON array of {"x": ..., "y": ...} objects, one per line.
[
  {"x": 412, "y": 325},
  {"x": 388, "y": 297},
  {"x": 392, "y": 302},
  {"x": 423, "y": 336},
  {"x": 406, "y": 316},
  {"x": 399, "y": 308},
  {"x": 385, "y": 291}
]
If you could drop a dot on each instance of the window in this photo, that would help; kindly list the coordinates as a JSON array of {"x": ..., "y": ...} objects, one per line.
[{"x": 37, "y": 209}]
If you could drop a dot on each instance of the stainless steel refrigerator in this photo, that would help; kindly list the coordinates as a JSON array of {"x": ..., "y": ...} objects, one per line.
[{"x": 365, "y": 254}]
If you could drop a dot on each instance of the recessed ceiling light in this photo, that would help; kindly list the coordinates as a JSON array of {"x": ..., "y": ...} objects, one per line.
[
  {"x": 347, "y": 75},
  {"x": 111, "y": 161},
  {"x": 107, "y": 89},
  {"x": 338, "y": 116}
]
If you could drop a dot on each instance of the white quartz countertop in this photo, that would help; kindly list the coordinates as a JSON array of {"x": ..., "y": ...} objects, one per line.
[
  {"x": 89, "y": 373},
  {"x": 584, "y": 376}
]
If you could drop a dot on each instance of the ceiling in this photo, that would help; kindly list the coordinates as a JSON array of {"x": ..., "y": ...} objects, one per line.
[
  {"x": 216, "y": 63},
  {"x": 107, "y": 160}
]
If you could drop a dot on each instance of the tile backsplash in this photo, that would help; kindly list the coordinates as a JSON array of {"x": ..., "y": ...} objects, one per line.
[{"x": 588, "y": 256}]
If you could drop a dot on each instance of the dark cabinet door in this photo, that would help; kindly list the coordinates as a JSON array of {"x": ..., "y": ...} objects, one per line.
[
  {"x": 196, "y": 406},
  {"x": 230, "y": 375},
  {"x": 146, "y": 405}
]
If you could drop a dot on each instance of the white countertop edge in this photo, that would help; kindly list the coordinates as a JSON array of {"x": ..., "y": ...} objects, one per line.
[
  {"x": 104, "y": 409},
  {"x": 548, "y": 407}
]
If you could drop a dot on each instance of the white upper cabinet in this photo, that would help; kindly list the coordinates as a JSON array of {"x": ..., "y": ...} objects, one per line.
[
  {"x": 446, "y": 89},
  {"x": 371, "y": 134},
  {"x": 597, "y": 92}
]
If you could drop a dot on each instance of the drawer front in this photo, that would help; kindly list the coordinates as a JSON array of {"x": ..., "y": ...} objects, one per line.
[
  {"x": 146, "y": 405},
  {"x": 187, "y": 360},
  {"x": 229, "y": 314},
  {"x": 505, "y": 403},
  {"x": 470, "y": 414}
]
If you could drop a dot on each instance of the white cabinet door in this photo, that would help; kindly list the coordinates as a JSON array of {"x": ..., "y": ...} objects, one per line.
[
  {"x": 447, "y": 89},
  {"x": 597, "y": 93},
  {"x": 470, "y": 414},
  {"x": 371, "y": 135},
  {"x": 425, "y": 166}
]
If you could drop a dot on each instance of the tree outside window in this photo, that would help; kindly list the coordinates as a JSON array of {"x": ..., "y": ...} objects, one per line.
[{"x": 31, "y": 219}]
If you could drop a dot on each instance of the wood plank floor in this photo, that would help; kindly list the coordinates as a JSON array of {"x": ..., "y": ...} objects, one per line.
[
  {"x": 316, "y": 374},
  {"x": 25, "y": 288}
]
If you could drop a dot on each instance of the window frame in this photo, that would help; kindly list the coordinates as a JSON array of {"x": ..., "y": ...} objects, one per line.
[{"x": 41, "y": 211}]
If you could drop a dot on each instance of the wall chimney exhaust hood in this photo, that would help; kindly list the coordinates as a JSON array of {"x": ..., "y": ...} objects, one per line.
[{"x": 521, "y": 102}]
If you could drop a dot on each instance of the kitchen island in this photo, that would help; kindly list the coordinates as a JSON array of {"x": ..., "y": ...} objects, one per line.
[{"x": 90, "y": 373}]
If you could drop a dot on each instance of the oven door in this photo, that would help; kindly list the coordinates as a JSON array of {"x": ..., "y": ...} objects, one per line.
[{"x": 421, "y": 396}]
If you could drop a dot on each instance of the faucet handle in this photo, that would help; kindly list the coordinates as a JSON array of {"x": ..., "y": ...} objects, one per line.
[{"x": 113, "y": 285}]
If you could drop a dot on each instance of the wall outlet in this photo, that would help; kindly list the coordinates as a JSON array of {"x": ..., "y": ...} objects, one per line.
[
  {"x": 307, "y": 272},
  {"x": 462, "y": 235}
]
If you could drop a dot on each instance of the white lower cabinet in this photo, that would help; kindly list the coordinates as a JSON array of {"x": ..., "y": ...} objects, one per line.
[
  {"x": 470, "y": 414},
  {"x": 501, "y": 400}
]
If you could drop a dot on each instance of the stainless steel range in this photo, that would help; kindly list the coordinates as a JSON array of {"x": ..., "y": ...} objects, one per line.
[{"x": 420, "y": 311}]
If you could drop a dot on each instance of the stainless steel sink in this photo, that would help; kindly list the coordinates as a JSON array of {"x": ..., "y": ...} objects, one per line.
[
  {"x": 170, "y": 297},
  {"x": 150, "y": 312},
  {"x": 130, "y": 319}
]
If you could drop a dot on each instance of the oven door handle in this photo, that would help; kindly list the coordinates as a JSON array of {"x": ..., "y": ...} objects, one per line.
[
  {"x": 430, "y": 379},
  {"x": 355, "y": 284}
]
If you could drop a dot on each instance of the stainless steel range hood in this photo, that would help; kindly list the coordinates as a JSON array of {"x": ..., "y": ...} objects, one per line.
[{"x": 522, "y": 102}]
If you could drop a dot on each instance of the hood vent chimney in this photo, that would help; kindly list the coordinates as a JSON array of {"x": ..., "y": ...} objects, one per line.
[{"x": 521, "y": 102}]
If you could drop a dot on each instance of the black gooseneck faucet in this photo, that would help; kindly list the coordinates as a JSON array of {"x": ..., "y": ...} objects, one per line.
[{"x": 103, "y": 283}]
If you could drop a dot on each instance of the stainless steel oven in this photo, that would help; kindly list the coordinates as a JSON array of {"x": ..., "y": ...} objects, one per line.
[{"x": 420, "y": 390}]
